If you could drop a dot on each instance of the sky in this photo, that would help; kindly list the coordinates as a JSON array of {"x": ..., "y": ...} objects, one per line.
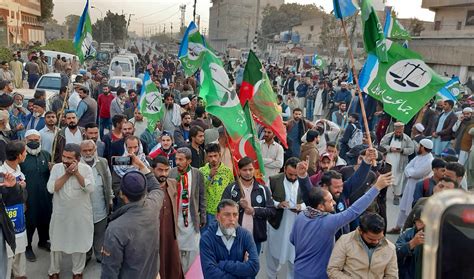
[{"x": 158, "y": 14}]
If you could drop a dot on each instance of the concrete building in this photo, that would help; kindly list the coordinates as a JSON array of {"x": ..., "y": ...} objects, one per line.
[
  {"x": 19, "y": 22},
  {"x": 232, "y": 23},
  {"x": 309, "y": 31},
  {"x": 54, "y": 31},
  {"x": 448, "y": 45}
]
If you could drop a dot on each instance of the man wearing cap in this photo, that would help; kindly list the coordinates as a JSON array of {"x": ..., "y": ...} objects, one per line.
[
  {"x": 463, "y": 141},
  {"x": 36, "y": 120},
  {"x": 71, "y": 229},
  {"x": 417, "y": 169},
  {"x": 87, "y": 108},
  {"x": 444, "y": 128},
  {"x": 185, "y": 104},
  {"x": 417, "y": 132},
  {"x": 399, "y": 146},
  {"x": 172, "y": 115},
  {"x": 191, "y": 206},
  {"x": 133, "y": 233},
  {"x": 74, "y": 98},
  {"x": 39, "y": 202}
]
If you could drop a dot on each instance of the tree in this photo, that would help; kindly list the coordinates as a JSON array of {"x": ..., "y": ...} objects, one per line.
[
  {"x": 110, "y": 29},
  {"x": 60, "y": 45},
  {"x": 5, "y": 54},
  {"x": 46, "y": 10},
  {"x": 416, "y": 26},
  {"x": 71, "y": 23},
  {"x": 331, "y": 36},
  {"x": 288, "y": 15}
]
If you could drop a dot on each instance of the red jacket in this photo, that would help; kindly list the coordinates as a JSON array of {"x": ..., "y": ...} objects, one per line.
[{"x": 103, "y": 102}]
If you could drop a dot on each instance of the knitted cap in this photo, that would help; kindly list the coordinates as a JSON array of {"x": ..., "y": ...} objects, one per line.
[{"x": 133, "y": 184}]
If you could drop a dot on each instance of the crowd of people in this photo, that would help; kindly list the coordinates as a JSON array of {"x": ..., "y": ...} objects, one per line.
[{"x": 84, "y": 172}]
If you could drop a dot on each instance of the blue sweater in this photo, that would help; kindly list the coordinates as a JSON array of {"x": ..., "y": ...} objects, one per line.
[
  {"x": 314, "y": 238},
  {"x": 218, "y": 262}
]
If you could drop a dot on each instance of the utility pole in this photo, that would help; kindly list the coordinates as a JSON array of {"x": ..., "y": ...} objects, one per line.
[
  {"x": 171, "y": 33},
  {"x": 183, "y": 15},
  {"x": 194, "y": 11},
  {"x": 126, "y": 30},
  {"x": 164, "y": 28}
]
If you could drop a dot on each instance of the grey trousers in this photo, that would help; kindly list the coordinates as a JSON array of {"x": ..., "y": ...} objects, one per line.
[{"x": 99, "y": 233}]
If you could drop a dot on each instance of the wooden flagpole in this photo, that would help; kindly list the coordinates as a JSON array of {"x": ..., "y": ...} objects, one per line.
[
  {"x": 61, "y": 113},
  {"x": 356, "y": 83}
]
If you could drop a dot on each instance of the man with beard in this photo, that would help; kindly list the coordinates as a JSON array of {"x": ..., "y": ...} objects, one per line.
[
  {"x": 172, "y": 116},
  {"x": 131, "y": 104},
  {"x": 191, "y": 206},
  {"x": 117, "y": 105},
  {"x": 463, "y": 141},
  {"x": 256, "y": 203},
  {"x": 343, "y": 95},
  {"x": 36, "y": 120},
  {"x": 272, "y": 154},
  {"x": 196, "y": 135},
  {"x": 365, "y": 252},
  {"x": 101, "y": 198},
  {"x": 417, "y": 169},
  {"x": 132, "y": 239},
  {"x": 48, "y": 133},
  {"x": 170, "y": 266},
  {"x": 313, "y": 231},
  {"x": 288, "y": 201},
  {"x": 325, "y": 164},
  {"x": 36, "y": 170},
  {"x": 443, "y": 132},
  {"x": 139, "y": 122},
  {"x": 58, "y": 100},
  {"x": 87, "y": 107},
  {"x": 296, "y": 128},
  {"x": 103, "y": 104},
  {"x": 92, "y": 133},
  {"x": 220, "y": 258},
  {"x": 71, "y": 230},
  {"x": 339, "y": 116},
  {"x": 181, "y": 134},
  {"x": 309, "y": 151},
  {"x": 69, "y": 134},
  {"x": 166, "y": 149},
  {"x": 399, "y": 147},
  {"x": 217, "y": 177},
  {"x": 117, "y": 148}
]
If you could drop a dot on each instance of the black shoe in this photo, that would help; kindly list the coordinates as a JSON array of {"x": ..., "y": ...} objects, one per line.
[
  {"x": 30, "y": 255},
  {"x": 45, "y": 246}
]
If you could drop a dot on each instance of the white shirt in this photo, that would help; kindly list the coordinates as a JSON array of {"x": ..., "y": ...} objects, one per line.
[
  {"x": 188, "y": 239},
  {"x": 272, "y": 156},
  {"x": 227, "y": 242},
  {"x": 47, "y": 138},
  {"x": 73, "y": 138},
  {"x": 74, "y": 100}
]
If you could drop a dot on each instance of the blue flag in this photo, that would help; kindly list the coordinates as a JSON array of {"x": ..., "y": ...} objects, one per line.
[
  {"x": 83, "y": 37},
  {"x": 350, "y": 78},
  {"x": 345, "y": 8},
  {"x": 191, "y": 49},
  {"x": 451, "y": 91}
]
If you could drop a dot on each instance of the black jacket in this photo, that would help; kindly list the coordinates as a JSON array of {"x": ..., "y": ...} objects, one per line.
[{"x": 261, "y": 201}]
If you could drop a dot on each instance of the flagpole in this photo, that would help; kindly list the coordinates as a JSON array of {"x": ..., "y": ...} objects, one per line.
[
  {"x": 61, "y": 113},
  {"x": 237, "y": 176},
  {"x": 356, "y": 82}
]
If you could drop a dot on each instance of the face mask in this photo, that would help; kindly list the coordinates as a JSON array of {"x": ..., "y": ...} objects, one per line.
[{"x": 33, "y": 144}]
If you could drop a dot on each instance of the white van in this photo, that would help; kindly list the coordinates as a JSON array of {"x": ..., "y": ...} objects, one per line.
[
  {"x": 51, "y": 56},
  {"x": 128, "y": 70}
]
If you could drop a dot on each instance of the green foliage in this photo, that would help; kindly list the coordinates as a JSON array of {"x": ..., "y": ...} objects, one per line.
[
  {"x": 61, "y": 45},
  {"x": 46, "y": 10},
  {"x": 110, "y": 29},
  {"x": 5, "y": 54},
  {"x": 71, "y": 22},
  {"x": 288, "y": 15}
]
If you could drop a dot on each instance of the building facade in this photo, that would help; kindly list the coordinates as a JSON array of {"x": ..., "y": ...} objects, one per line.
[
  {"x": 19, "y": 22},
  {"x": 233, "y": 23},
  {"x": 448, "y": 45}
]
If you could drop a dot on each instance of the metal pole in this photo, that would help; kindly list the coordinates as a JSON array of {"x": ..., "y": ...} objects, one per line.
[{"x": 194, "y": 11}]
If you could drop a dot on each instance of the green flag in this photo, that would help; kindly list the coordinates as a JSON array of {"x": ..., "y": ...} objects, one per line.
[
  {"x": 253, "y": 150},
  {"x": 83, "y": 37},
  {"x": 256, "y": 89},
  {"x": 151, "y": 104},
  {"x": 393, "y": 29},
  {"x": 374, "y": 39},
  {"x": 404, "y": 84},
  {"x": 191, "y": 49}
]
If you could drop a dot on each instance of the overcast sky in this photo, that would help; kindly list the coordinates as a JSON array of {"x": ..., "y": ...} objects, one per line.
[{"x": 164, "y": 13}]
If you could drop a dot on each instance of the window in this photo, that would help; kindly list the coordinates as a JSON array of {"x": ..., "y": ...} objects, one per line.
[
  {"x": 437, "y": 25},
  {"x": 53, "y": 83},
  {"x": 311, "y": 28},
  {"x": 12, "y": 14},
  {"x": 360, "y": 45},
  {"x": 458, "y": 27},
  {"x": 309, "y": 37}
]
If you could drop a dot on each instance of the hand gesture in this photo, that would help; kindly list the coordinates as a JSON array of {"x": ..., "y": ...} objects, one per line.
[
  {"x": 394, "y": 150},
  {"x": 213, "y": 172},
  {"x": 9, "y": 180},
  {"x": 71, "y": 170},
  {"x": 418, "y": 239},
  {"x": 384, "y": 180},
  {"x": 283, "y": 204},
  {"x": 244, "y": 204},
  {"x": 370, "y": 155},
  {"x": 136, "y": 162},
  {"x": 302, "y": 168}
]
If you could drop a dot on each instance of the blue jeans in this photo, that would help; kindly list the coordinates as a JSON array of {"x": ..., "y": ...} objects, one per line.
[
  {"x": 104, "y": 123},
  {"x": 309, "y": 109},
  {"x": 259, "y": 247}
]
